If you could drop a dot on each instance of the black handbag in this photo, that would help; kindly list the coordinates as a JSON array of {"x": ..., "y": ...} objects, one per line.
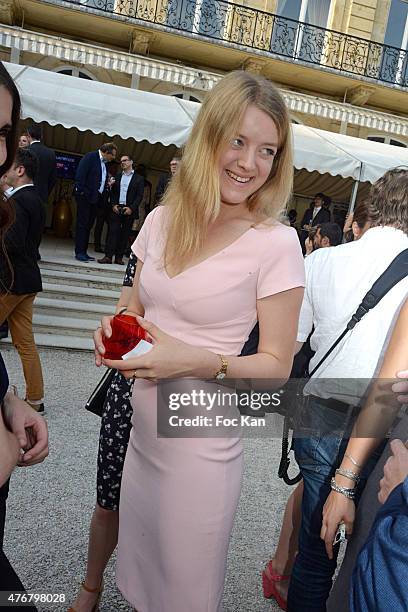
[{"x": 96, "y": 402}]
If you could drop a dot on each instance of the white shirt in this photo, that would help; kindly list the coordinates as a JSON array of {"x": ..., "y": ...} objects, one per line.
[
  {"x": 124, "y": 186},
  {"x": 103, "y": 178},
  {"x": 315, "y": 211},
  {"x": 337, "y": 279},
  {"x": 11, "y": 191}
]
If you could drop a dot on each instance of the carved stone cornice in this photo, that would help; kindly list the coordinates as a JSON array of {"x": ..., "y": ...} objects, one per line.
[
  {"x": 140, "y": 42},
  {"x": 253, "y": 65},
  {"x": 7, "y": 12},
  {"x": 360, "y": 95}
]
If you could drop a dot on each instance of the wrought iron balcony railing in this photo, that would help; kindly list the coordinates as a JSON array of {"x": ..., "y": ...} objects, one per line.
[{"x": 251, "y": 28}]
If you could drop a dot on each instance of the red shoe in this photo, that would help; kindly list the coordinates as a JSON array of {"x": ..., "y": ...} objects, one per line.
[{"x": 269, "y": 579}]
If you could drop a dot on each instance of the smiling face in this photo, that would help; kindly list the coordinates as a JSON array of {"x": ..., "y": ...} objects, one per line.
[
  {"x": 6, "y": 107},
  {"x": 246, "y": 163}
]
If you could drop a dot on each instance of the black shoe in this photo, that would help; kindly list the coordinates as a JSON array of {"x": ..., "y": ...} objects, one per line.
[{"x": 89, "y": 258}]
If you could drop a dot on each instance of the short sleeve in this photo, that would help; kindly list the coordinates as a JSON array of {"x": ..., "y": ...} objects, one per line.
[
  {"x": 139, "y": 246},
  {"x": 282, "y": 267},
  {"x": 306, "y": 311}
]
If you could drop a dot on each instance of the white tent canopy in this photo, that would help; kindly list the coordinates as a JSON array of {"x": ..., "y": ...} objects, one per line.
[
  {"x": 100, "y": 107},
  {"x": 128, "y": 113}
]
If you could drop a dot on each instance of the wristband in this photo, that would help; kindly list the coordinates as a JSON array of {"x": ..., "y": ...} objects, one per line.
[
  {"x": 348, "y": 474},
  {"x": 349, "y": 493}
]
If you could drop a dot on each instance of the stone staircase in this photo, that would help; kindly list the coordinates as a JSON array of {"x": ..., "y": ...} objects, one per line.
[{"x": 74, "y": 298}]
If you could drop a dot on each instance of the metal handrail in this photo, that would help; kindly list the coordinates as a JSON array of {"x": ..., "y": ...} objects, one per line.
[{"x": 277, "y": 36}]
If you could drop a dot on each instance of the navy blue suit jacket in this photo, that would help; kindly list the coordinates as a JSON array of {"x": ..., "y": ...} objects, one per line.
[
  {"x": 88, "y": 177},
  {"x": 380, "y": 576}
]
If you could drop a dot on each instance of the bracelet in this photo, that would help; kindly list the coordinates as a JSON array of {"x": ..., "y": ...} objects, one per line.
[
  {"x": 348, "y": 474},
  {"x": 349, "y": 493},
  {"x": 353, "y": 461}
]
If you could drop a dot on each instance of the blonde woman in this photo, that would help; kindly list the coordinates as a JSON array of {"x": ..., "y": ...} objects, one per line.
[{"x": 212, "y": 261}]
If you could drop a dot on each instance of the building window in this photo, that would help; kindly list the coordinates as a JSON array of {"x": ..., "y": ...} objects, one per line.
[
  {"x": 394, "y": 67},
  {"x": 313, "y": 12},
  {"x": 76, "y": 72},
  {"x": 387, "y": 140},
  {"x": 305, "y": 42}
]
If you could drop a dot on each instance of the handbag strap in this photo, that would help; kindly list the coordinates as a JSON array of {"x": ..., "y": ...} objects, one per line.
[{"x": 396, "y": 271}]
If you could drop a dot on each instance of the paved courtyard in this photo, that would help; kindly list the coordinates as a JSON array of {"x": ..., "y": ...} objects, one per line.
[{"x": 50, "y": 505}]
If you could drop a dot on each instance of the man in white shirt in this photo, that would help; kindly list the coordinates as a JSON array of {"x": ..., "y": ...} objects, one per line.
[
  {"x": 126, "y": 195},
  {"x": 336, "y": 282}
]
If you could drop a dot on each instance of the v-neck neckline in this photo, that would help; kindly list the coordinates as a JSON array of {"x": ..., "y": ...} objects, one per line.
[{"x": 210, "y": 257}]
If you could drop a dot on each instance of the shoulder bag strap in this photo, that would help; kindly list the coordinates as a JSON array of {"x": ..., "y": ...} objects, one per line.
[{"x": 396, "y": 271}]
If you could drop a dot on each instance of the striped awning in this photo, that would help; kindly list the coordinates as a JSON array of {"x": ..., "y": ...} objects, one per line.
[{"x": 91, "y": 55}]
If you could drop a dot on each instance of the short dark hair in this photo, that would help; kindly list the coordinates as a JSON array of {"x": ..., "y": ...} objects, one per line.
[
  {"x": 332, "y": 231},
  {"x": 108, "y": 147},
  {"x": 128, "y": 156},
  {"x": 28, "y": 160},
  {"x": 35, "y": 131},
  {"x": 361, "y": 214},
  {"x": 388, "y": 200},
  {"x": 320, "y": 195}
]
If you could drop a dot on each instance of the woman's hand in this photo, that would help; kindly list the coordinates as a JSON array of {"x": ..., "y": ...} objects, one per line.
[
  {"x": 401, "y": 388},
  {"x": 169, "y": 357},
  {"x": 337, "y": 509},
  {"x": 104, "y": 329}
]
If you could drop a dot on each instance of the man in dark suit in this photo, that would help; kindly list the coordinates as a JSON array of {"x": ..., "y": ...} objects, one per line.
[
  {"x": 90, "y": 184},
  {"x": 164, "y": 179},
  {"x": 21, "y": 281},
  {"x": 126, "y": 196},
  {"x": 47, "y": 165},
  {"x": 316, "y": 214}
]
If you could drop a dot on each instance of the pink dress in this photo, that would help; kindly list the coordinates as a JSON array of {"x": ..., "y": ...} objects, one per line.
[{"x": 179, "y": 496}]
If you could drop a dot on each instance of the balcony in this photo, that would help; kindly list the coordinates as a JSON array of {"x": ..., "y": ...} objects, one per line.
[{"x": 271, "y": 34}]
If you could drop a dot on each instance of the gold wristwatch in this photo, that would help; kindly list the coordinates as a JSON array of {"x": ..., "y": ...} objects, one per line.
[{"x": 222, "y": 372}]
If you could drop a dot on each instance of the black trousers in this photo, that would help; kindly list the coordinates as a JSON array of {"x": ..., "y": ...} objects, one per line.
[
  {"x": 9, "y": 581},
  {"x": 103, "y": 212},
  {"x": 86, "y": 213},
  {"x": 119, "y": 231}
]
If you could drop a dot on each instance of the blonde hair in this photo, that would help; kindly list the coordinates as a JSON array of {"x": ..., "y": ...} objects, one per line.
[{"x": 194, "y": 192}]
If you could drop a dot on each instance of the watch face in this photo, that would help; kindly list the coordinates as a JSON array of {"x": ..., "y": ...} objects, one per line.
[{"x": 220, "y": 376}]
